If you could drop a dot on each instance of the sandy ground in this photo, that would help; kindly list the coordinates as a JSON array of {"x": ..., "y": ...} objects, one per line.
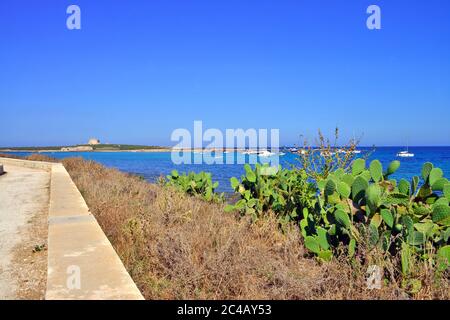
[{"x": 24, "y": 198}]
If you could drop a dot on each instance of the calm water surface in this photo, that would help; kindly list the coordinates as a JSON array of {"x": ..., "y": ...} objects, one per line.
[{"x": 152, "y": 165}]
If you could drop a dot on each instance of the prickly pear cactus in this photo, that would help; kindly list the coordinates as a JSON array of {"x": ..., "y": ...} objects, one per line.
[{"x": 361, "y": 204}]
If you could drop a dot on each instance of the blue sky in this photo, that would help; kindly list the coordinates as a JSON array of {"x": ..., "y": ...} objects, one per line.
[{"x": 139, "y": 69}]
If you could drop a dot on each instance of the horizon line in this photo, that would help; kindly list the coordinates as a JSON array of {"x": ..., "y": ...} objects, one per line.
[{"x": 224, "y": 147}]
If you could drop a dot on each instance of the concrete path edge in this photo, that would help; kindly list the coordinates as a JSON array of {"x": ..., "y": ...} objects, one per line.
[{"x": 82, "y": 264}]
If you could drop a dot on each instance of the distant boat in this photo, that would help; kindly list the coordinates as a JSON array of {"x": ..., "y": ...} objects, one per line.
[
  {"x": 281, "y": 153},
  {"x": 299, "y": 151},
  {"x": 348, "y": 151},
  {"x": 327, "y": 153},
  {"x": 405, "y": 154},
  {"x": 265, "y": 153}
]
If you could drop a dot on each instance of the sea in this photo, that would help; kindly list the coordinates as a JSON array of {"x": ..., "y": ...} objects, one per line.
[{"x": 152, "y": 165}]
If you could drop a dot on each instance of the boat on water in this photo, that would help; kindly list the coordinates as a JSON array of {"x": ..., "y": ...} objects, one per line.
[
  {"x": 327, "y": 153},
  {"x": 297, "y": 150},
  {"x": 265, "y": 153},
  {"x": 348, "y": 151},
  {"x": 405, "y": 154},
  {"x": 262, "y": 153}
]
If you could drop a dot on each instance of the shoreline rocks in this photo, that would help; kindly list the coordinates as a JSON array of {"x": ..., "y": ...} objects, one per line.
[{"x": 78, "y": 148}]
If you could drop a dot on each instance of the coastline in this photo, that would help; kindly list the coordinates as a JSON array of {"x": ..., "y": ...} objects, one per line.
[
  {"x": 106, "y": 150},
  {"x": 125, "y": 150}
]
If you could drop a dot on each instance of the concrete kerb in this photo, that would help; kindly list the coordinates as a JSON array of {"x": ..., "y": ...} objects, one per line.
[
  {"x": 82, "y": 264},
  {"x": 27, "y": 163}
]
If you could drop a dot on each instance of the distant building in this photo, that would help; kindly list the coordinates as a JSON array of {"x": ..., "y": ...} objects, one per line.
[{"x": 93, "y": 141}]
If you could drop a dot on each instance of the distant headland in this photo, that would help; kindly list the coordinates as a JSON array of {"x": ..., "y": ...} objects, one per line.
[{"x": 92, "y": 145}]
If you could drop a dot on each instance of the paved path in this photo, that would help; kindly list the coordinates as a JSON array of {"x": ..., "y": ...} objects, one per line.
[{"x": 24, "y": 193}]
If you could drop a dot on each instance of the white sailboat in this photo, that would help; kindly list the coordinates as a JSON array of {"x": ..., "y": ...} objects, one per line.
[
  {"x": 248, "y": 151},
  {"x": 265, "y": 153},
  {"x": 354, "y": 142},
  {"x": 405, "y": 153},
  {"x": 327, "y": 153},
  {"x": 348, "y": 151}
]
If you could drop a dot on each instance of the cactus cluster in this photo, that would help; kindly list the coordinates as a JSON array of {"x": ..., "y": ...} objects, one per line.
[
  {"x": 195, "y": 184},
  {"x": 362, "y": 204},
  {"x": 412, "y": 217},
  {"x": 358, "y": 206},
  {"x": 280, "y": 192}
]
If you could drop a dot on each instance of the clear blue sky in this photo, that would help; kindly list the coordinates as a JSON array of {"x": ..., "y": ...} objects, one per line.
[{"x": 139, "y": 69}]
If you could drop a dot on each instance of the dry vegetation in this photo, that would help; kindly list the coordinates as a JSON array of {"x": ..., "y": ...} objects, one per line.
[{"x": 179, "y": 247}]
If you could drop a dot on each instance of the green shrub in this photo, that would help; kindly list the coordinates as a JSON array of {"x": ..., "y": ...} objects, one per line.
[
  {"x": 410, "y": 218},
  {"x": 285, "y": 193},
  {"x": 354, "y": 207},
  {"x": 359, "y": 208},
  {"x": 195, "y": 184}
]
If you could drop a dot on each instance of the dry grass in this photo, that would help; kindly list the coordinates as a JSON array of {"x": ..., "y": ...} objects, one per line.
[
  {"x": 178, "y": 247},
  {"x": 32, "y": 157}
]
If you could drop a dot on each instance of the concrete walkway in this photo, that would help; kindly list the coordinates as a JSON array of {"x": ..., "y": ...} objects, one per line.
[
  {"x": 24, "y": 193},
  {"x": 80, "y": 263}
]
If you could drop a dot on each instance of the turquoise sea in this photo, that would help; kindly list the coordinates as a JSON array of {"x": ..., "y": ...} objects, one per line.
[{"x": 151, "y": 165}]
